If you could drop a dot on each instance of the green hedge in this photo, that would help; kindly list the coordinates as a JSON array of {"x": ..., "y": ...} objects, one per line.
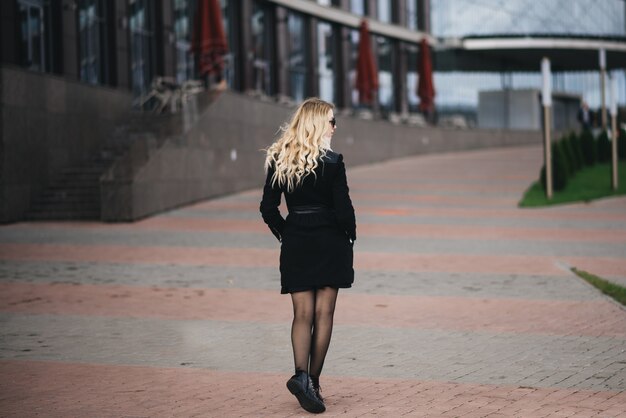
[
  {"x": 577, "y": 145},
  {"x": 604, "y": 147},
  {"x": 588, "y": 148},
  {"x": 574, "y": 152},
  {"x": 560, "y": 169},
  {"x": 565, "y": 150}
]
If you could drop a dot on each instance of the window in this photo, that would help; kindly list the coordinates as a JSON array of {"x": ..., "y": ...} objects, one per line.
[
  {"x": 358, "y": 7},
  {"x": 32, "y": 34},
  {"x": 411, "y": 14},
  {"x": 92, "y": 41},
  {"x": 354, "y": 56},
  {"x": 326, "y": 62},
  {"x": 384, "y": 11},
  {"x": 141, "y": 44},
  {"x": 184, "y": 20},
  {"x": 183, "y": 27},
  {"x": 230, "y": 59},
  {"x": 297, "y": 56},
  {"x": 336, "y": 3},
  {"x": 412, "y": 77},
  {"x": 261, "y": 48},
  {"x": 385, "y": 73}
]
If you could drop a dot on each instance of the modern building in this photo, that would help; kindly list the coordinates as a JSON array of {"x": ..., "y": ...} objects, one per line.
[
  {"x": 294, "y": 49},
  {"x": 300, "y": 50},
  {"x": 71, "y": 71}
]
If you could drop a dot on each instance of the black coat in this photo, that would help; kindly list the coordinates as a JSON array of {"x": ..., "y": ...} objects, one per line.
[{"x": 318, "y": 234}]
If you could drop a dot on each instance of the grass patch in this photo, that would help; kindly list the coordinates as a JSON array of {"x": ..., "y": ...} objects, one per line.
[
  {"x": 588, "y": 184},
  {"x": 613, "y": 290}
]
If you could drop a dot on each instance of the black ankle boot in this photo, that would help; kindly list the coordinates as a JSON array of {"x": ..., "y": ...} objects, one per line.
[
  {"x": 315, "y": 381},
  {"x": 301, "y": 387}
]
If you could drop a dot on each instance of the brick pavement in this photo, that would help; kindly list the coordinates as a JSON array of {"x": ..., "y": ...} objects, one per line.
[{"x": 462, "y": 305}]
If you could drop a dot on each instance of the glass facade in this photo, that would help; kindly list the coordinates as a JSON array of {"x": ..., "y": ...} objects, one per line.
[
  {"x": 316, "y": 56},
  {"x": 92, "y": 41},
  {"x": 411, "y": 14},
  {"x": 326, "y": 62},
  {"x": 385, "y": 73},
  {"x": 184, "y": 11},
  {"x": 486, "y": 17},
  {"x": 231, "y": 59},
  {"x": 458, "y": 18},
  {"x": 32, "y": 34},
  {"x": 297, "y": 56},
  {"x": 261, "y": 53},
  {"x": 350, "y": 78},
  {"x": 411, "y": 77},
  {"x": 359, "y": 7},
  {"x": 141, "y": 21},
  {"x": 384, "y": 13}
]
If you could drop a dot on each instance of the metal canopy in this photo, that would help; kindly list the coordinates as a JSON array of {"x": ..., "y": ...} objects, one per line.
[{"x": 524, "y": 53}]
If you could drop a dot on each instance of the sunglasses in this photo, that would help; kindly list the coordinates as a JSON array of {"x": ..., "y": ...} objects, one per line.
[{"x": 333, "y": 122}]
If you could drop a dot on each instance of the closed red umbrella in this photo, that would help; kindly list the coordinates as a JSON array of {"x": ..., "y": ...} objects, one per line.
[
  {"x": 366, "y": 73},
  {"x": 425, "y": 88},
  {"x": 208, "y": 41}
]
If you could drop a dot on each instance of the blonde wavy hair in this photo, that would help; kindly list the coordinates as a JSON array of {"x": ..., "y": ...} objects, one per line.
[{"x": 296, "y": 153}]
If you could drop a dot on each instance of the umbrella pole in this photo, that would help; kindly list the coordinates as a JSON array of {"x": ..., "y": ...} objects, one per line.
[
  {"x": 375, "y": 104},
  {"x": 614, "y": 151}
]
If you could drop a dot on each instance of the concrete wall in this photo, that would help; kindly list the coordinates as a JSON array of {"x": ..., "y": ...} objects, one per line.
[
  {"x": 521, "y": 109},
  {"x": 48, "y": 123},
  {"x": 197, "y": 163},
  {"x": 200, "y": 162}
]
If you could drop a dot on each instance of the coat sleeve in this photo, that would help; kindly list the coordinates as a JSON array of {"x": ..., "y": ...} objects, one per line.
[
  {"x": 343, "y": 205},
  {"x": 269, "y": 207}
]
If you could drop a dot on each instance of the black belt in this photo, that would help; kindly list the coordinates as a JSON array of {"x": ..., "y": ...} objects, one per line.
[{"x": 304, "y": 210}]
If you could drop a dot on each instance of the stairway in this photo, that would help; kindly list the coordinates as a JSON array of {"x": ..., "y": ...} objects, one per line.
[{"x": 74, "y": 194}]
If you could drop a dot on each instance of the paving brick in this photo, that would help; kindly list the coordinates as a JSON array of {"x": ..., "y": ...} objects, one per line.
[
  {"x": 462, "y": 305},
  {"x": 267, "y": 278}
]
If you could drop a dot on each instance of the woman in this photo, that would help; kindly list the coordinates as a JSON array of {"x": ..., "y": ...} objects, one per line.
[{"x": 316, "y": 238}]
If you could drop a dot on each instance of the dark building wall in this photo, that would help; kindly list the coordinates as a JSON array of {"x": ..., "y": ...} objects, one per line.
[
  {"x": 222, "y": 153},
  {"x": 197, "y": 161},
  {"x": 8, "y": 33},
  {"x": 122, "y": 45},
  {"x": 69, "y": 28},
  {"x": 49, "y": 123}
]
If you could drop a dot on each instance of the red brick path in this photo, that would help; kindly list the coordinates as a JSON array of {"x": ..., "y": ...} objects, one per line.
[{"x": 554, "y": 347}]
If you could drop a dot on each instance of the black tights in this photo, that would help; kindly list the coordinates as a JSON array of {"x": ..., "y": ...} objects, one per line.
[{"x": 312, "y": 327}]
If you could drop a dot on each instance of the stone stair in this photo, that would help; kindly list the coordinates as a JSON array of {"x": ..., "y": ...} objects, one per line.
[{"x": 74, "y": 194}]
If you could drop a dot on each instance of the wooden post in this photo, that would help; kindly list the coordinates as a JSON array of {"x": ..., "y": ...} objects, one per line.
[
  {"x": 614, "y": 166},
  {"x": 548, "y": 150},
  {"x": 602, "y": 57},
  {"x": 614, "y": 152},
  {"x": 546, "y": 100}
]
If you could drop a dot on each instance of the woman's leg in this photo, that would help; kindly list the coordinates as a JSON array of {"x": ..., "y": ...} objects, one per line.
[
  {"x": 303, "y": 314},
  {"x": 324, "y": 304}
]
